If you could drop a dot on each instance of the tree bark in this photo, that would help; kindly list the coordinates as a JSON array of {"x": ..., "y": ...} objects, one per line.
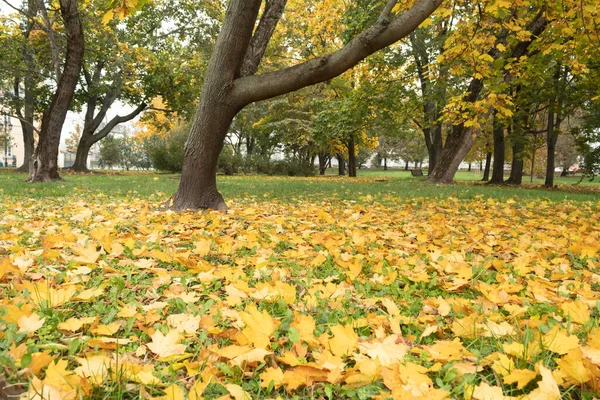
[
  {"x": 323, "y": 159},
  {"x": 458, "y": 143},
  {"x": 46, "y": 155},
  {"x": 385, "y": 167},
  {"x": 341, "y": 165},
  {"x": 488, "y": 162},
  {"x": 554, "y": 121},
  {"x": 516, "y": 170},
  {"x": 226, "y": 91},
  {"x": 351, "y": 159},
  {"x": 499, "y": 152}
]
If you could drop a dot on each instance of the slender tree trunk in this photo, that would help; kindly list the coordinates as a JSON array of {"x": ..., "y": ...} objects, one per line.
[
  {"x": 499, "y": 152},
  {"x": 551, "y": 139},
  {"x": 89, "y": 137},
  {"x": 323, "y": 159},
  {"x": 406, "y": 165},
  {"x": 46, "y": 157},
  {"x": 516, "y": 170},
  {"x": 532, "y": 172},
  {"x": 488, "y": 162},
  {"x": 341, "y": 165},
  {"x": 470, "y": 166},
  {"x": 385, "y": 167},
  {"x": 351, "y": 159}
]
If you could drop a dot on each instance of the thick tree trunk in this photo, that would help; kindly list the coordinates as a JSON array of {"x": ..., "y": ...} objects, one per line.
[
  {"x": 351, "y": 159},
  {"x": 458, "y": 144},
  {"x": 81, "y": 156},
  {"x": 499, "y": 153},
  {"x": 341, "y": 165},
  {"x": 436, "y": 147},
  {"x": 46, "y": 155},
  {"x": 516, "y": 170},
  {"x": 488, "y": 162}
]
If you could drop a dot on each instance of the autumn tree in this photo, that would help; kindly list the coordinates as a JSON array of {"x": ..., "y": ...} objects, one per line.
[
  {"x": 231, "y": 82},
  {"x": 67, "y": 69}
]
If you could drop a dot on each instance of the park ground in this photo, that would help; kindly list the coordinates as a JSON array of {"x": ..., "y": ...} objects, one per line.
[{"x": 383, "y": 286}]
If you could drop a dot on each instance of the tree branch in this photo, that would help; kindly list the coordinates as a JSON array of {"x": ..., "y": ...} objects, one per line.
[
  {"x": 53, "y": 45},
  {"x": 102, "y": 133},
  {"x": 264, "y": 86},
  {"x": 262, "y": 35}
]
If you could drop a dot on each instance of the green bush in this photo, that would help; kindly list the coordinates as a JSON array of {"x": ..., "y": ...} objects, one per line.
[
  {"x": 229, "y": 162},
  {"x": 166, "y": 152},
  {"x": 291, "y": 168}
]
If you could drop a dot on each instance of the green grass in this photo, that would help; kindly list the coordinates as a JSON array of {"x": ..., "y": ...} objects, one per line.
[{"x": 372, "y": 185}]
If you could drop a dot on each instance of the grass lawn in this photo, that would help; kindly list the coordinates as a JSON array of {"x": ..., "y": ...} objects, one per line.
[{"x": 384, "y": 286}]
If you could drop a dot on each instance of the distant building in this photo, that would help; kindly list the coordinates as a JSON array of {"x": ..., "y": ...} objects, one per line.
[{"x": 12, "y": 149}]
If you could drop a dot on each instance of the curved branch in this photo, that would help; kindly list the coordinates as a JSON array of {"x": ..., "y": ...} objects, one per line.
[{"x": 382, "y": 34}]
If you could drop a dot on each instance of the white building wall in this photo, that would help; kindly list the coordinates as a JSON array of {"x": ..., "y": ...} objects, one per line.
[{"x": 15, "y": 147}]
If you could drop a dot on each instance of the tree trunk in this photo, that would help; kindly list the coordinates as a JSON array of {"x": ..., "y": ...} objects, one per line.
[
  {"x": 532, "y": 172},
  {"x": 551, "y": 139},
  {"x": 323, "y": 159},
  {"x": 499, "y": 152},
  {"x": 341, "y": 165},
  {"x": 46, "y": 155},
  {"x": 458, "y": 143},
  {"x": 227, "y": 90},
  {"x": 89, "y": 138},
  {"x": 406, "y": 165},
  {"x": 436, "y": 147},
  {"x": 516, "y": 170},
  {"x": 81, "y": 156},
  {"x": 488, "y": 162},
  {"x": 385, "y": 167},
  {"x": 351, "y": 159},
  {"x": 470, "y": 166}
]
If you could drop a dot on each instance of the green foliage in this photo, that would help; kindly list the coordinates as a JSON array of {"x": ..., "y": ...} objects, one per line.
[
  {"x": 111, "y": 152},
  {"x": 166, "y": 152}
]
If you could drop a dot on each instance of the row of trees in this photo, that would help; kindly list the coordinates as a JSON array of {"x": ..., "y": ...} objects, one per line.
[{"x": 473, "y": 79}]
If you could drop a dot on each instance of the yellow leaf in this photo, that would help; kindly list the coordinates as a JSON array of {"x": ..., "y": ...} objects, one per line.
[
  {"x": 30, "y": 324},
  {"x": 344, "y": 340},
  {"x": 577, "y": 311},
  {"x": 164, "y": 346},
  {"x": 559, "y": 341},
  {"x": 106, "y": 330},
  {"x": 107, "y": 17},
  {"x": 572, "y": 365},
  {"x": 271, "y": 374},
  {"x": 520, "y": 376},
  {"x": 94, "y": 368},
  {"x": 259, "y": 326},
  {"x": 547, "y": 387},
  {"x": 75, "y": 324},
  {"x": 174, "y": 392},
  {"x": 237, "y": 392}
]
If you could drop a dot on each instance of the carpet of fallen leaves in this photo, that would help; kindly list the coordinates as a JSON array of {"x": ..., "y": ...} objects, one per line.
[{"x": 448, "y": 298}]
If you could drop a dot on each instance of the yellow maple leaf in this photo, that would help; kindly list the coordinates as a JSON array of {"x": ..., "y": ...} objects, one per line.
[
  {"x": 94, "y": 368},
  {"x": 166, "y": 345},
  {"x": 344, "y": 340},
  {"x": 572, "y": 365},
  {"x": 237, "y": 392},
  {"x": 576, "y": 310},
  {"x": 559, "y": 341},
  {"x": 86, "y": 255},
  {"x": 519, "y": 376},
  {"x": 174, "y": 392},
  {"x": 30, "y": 324},
  {"x": 274, "y": 375},
  {"x": 106, "y": 330},
  {"x": 259, "y": 326}
]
